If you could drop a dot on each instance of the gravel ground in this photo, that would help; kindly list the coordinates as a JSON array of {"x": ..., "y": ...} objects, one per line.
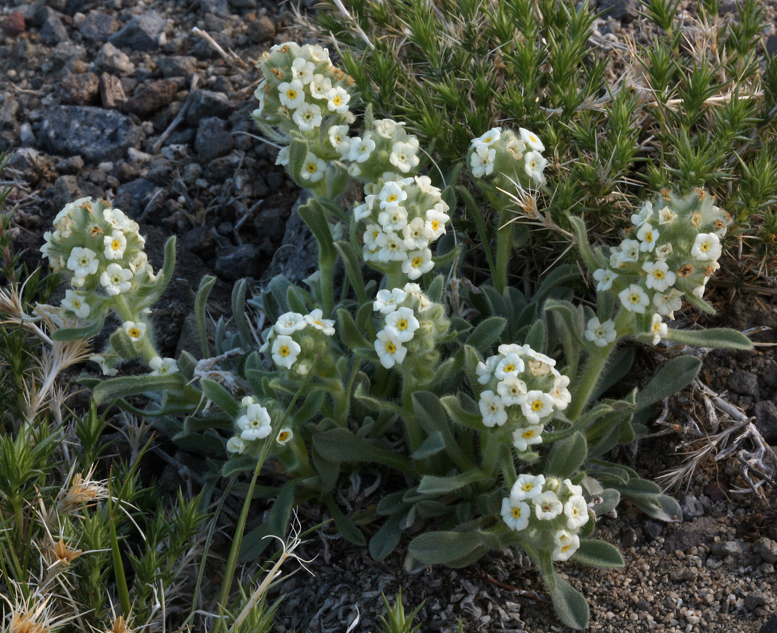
[{"x": 89, "y": 91}]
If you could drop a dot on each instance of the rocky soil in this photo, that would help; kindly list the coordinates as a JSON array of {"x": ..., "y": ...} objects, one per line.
[{"x": 88, "y": 92}]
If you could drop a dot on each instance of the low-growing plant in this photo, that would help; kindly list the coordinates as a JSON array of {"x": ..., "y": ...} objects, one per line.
[{"x": 491, "y": 404}]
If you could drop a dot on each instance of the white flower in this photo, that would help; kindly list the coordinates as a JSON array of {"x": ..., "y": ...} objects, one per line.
[
  {"x": 390, "y": 350},
  {"x": 526, "y": 437},
  {"x": 364, "y": 210},
  {"x": 303, "y": 70},
  {"x": 118, "y": 220},
  {"x": 492, "y": 408},
  {"x": 338, "y": 99},
  {"x": 317, "y": 53},
  {"x": 247, "y": 401},
  {"x": 386, "y": 301},
  {"x": 255, "y": 424},
  {"x": 307, "y": 117},
  {"x": 547, "y": 506},
  {"x": 236, "y": 445},
  {"x": 416, "y": 235},
  {"x": 135, "y": 331},
  {"x": 83, "y": 262},
  {"x": 706, "y": 247},
  {"x": 664, "y": 251},
  {"x": 489, "y": 138},
  {"x": 560, "y": 393},
  {"x": 317, "y": 320},
  {"x": 532, "y": 140},
  {"x": 115, "y": 245},
  {"x": 163, "y": 366},
  {"x": 391, "y": 194},
  {"x": 510, "y": 364},
  {"x": 403, "y": 324},
  {"x": 393, "y": 218},
  {"x": 283, "y": 156},
  {"x": 76, "y": 303},
  {"x": 484, "y": 370},
  {"x": 566, "y": 545},
  {"x": 572, "y": 488},
  {"x": 116, "y": 280},
  {"x": 659, "y": 277},
  {"x": 515, "y": 514},
  {"x": 527, "y": 487},
  {"x": 385, "y": 128},
  {"x": 425, "y": 185},
  {"x": 320, "y": 86},
  {"x": 303, "y": 367},
  {"x": 289, "y": 323},
  {"x": 667, "y": 303},
  {"x": 292, "y": 94},
  {"x": 634, "y": 299},
  {"x": 534, "y": 165},
  {"x": 285, "y": 351},
  {"x": 313, "y": 169},
  {"x": 516, "y": 147},
  {"x": 392, "y": 247},
  {"x": 645, "y": 215},
  {"x": 338, "y": 138},
  {"x": 435, "y": 223},
  {"x": 403, "y": 155},
  {"x": 666, "y": 216},
  {"x": 699, "y": 290},
  {"x": 482, "y": 161},
  {"x": 536, "y": 406},
  {"x": 284, "y": 435},
  {"x": 106, "y": 369},
  {"x": 361, "y": 148},
  {"x": 576, "y": 510},
  {"x": 604, "y": 278},
  {"x": 600, "y": 334},
  {"x": 512, "y": 389},
  {"x": 629, "y": 251},
  {"x": 658, "y": 328},
  {"x": 648, "y": 236},
  {"x": 417, "y": 263}
]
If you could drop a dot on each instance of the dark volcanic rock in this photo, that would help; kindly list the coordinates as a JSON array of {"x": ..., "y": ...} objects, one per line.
[
  {"x": 93, "y": 133},
  {"x": 744, "y": 383},
  {"x": 133, "y": 197},
  {"x": 53, "y": 31},
  {"x": 98, "y": 27},
  {"x": 199, "y": 241},
  {"x": 152, "y": 99},
  {"x": 80, "y": 89},
  {"x": 766, "y": 420},
  {"x": 207, "y": 103},
  {"x": 261, "y": 30},
  {"x": 13, "y": 25},
  {"x": 625, "y": 10},
  {"x": 176, "y": 66},
  {"x": 215, "y": 7},
  {"x": 142, "y": 33},
  {"x": 239, "y": 263},
  {"x": 212, "y": 139},
  {"x": 112, "y": 60}
]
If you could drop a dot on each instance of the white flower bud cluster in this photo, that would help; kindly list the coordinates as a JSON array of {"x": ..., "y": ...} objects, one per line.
[
  {"x": 549, "y": 512},
  {"x": 295, "y": 340},
  {"x": 253, "y": 425},
  {"x": 524, "y": 389},
  {"x": 501, "y": 154},
  {"x": 387, "y": 147},
  {"x": 672, "y": 250},
  {"x": 402, "y": 218},
  {"x": 411, "y": 324}
]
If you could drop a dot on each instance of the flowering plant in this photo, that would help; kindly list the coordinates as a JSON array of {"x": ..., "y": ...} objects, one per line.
[{"x": 488, "y": 401}]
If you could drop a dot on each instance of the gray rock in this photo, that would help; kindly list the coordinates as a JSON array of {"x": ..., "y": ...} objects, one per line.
[
  {"x": 79, "y": 89},
  {"x": 237, "y": 264},
  {"x": 74, "y": 6},
  {"x": 766, "y": 548},
  {"x": 770, "y": 626},
  {"x": 728, "y": 548},
  {"x": 244, "y": 4},
  {"x": 296, "y": 257},
  {"x": 57, "y": 5},
  {"x": 261, "y": 30},
  {"x": 755, "y": 600},
  {"x": 688, "y": 574},
  {"x": 207, "y": 103},
  {"x": 771, "y": 45},
  {"x": 53, "y": 32},
  {"x": 770, "y": 376},
  {"x": 30, "y": 164},
  {"x": 199, "y": 241},
  {"x": 743, "y": 383},
  {"x": 93, "y": 133},
  {"x": 134, "y": 196},
  {"x": 176, "y": 66},
  {"x": 212, "y": 139},
  {"x": 202, "y": 49},
  {"x": 216, "y": 7},
  {"x": 625, "y": 10},
  {"x": 766, "y": 420},
  {"x": 111, "y": 59},
  {"x": 64, "y": 53},
  {"x": 191, "y": 172},
  {"x": 142, "y": 33},
  {"x": 26, "y": 135},
  {"x": 65, "y": 190},
  {"x": 153, "y": 98},
  {"x": 41, "y": 15},
  {"x": 692, "y": 507},
  {"x": 651, "y": 528},
  {"x": 71, "y": 165},
  {"x": 111, "y": 92},
  {"x": 98, "y": 27}
]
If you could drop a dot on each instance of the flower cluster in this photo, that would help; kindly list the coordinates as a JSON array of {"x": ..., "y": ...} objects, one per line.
[
  {"x": 672, "y": 250},
  {"x": 402, "y": 218},
  {"x": 549, "y": 512},
  {"x": 296, "y": 342},
  {"x": 386, "y": 147},
  {"x": 412, "y": 326},
  {"x": 253, "y": 425},
  {"x": 524, "y": 389},
  {"x": 504, "y": 156}
]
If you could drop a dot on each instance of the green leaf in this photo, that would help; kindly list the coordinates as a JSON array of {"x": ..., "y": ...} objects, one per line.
[
  {"x": 220, "y": 397},
  {"x": 586, "y": 254},
  {"x": 569, "y": 604},
  {"x": 677, "y": 374},
  {"x": 387, "y": 537},
  {"x": 340, "y": 445},
  {"x": 567, "y": 456},
  {"x": 431, "y": 446},
  {"x": 239, "y": 312},
  {"x": 187, "y": 364},
  {"x": 618, "y": 366},
  {"x": 661, "y": 507},
  {"x": 315, "y": 217},
  {"x": 486, "y": 333},
  {"x": 610, "y": 500},
  {"x": 237, "y": 465},
  {"x": 254, "y": 543},
  {"x": 436, "y": 288},
  {"x": 77, "y": 333},
  {"x": 430, "y": 413},
  {"x": 598, "y": 554},
  {"x": 555, "y": 278},
  {"x": 206, "y": 285},
  {"x": 461, "y": 416},
  {"x": 431, "y": 484},
  {"x": 447, "y": 258},
  {"x": 716, "y": 338},
  {"x": 350, "y": 334},
  {"x": 443, "y": 547},
  {"x": 110, "y": 390},
  {"x": 347, "y": 528},
  {"x": 122, "y": 344},
  {"x": 165, "y": 275},
  {"x": 353, "y": 269},
  {"x": 638, "y": 489},
  {"x": 536, "y": 337}
]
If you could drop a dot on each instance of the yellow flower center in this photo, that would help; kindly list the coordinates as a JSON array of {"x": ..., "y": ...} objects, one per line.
[
  {"x": 533, "y": 138},
  {"x": 528, "y": 434},
  {"x": 311, "y": 167},
  {"x": 435, "y": 225},
  {"x": 392, "y": 198},
  {"x": 318, "y": 323},
  {"x": 634, "y": 297},
  {"x": 566, "y": 548},
  {"x": 76, "y": 304},
  {"x": 390, "y": 347},
  {"x": 283, "y": 436},
  {"x": 516, "y": 513},
  {"x": 489, "y": 139},
  {"x": 134, "y": 332},
  {"x": 705, "y": 246},
  {"x": 536, "y": 406},
  {"x": 649, "y": 236},
  {"x": 284, "y": 351},
  {"x": 337, "y": 100},
  {"x": 658, "y": 274},
  {"x": 528, "y": 487},
  {"x": 509, "y": 368},
  {"x": 417, "y": 261},
  {"x": 116, "y": 245},
  {"x": 291, "y": 94},
  {"x": 402, "y": 324}
]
